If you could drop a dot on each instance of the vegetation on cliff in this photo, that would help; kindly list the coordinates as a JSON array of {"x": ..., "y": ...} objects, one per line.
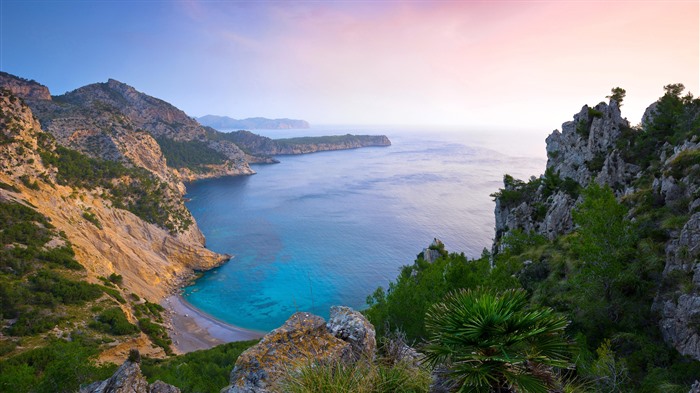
[
  {"x": 604, "y": 275},
  {"x": 131, "y": 188}
]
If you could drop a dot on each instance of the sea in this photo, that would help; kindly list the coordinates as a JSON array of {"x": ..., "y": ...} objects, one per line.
[{"x": 328, "y": 228}]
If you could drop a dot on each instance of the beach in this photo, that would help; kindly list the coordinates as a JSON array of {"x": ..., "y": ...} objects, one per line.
[{"x": 192, "y": 330}]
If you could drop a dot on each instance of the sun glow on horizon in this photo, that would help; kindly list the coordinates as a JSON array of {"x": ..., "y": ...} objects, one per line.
[{"x": 529, "y": 64}]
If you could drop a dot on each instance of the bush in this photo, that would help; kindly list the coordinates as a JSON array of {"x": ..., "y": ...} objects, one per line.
[
  {"x": 113, "y": 321},
  {"x": 156, "y": 333},
  {"x": 205, "y": 371},
  {"x": 490, "y": 341}
]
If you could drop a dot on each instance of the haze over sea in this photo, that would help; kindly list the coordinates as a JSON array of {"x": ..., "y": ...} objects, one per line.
[{"x": 328, "y": 228}]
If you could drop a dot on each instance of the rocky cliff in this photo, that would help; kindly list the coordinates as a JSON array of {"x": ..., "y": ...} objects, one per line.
[
  {"x": 23, "y": 87},
  {"x": 116, "y": 122},
  {"x": 585, "y": 149},
  {"x": 150, "y": 258},
  {"x": 654, "y": 169}
]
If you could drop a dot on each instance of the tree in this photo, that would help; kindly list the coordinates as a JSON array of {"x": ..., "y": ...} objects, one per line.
[
  {"x": 618, "y": 94},
  {"x": 490, "y": 341},
  {"x": 604, "y": 241}
]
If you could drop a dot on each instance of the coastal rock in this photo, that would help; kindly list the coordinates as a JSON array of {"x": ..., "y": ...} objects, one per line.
[
  {"x": 304, "y": 339},
  {"x": 352, "y": 327},
  {"x": 587, "y": 139},
  {"x": 129, "y": 379},
  {"x": 432, "y": 252},
  {"x": 162, "y": 387},
  {"x": 585, "y": 149}
]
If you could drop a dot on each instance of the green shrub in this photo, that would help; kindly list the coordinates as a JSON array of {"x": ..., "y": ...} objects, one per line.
[
  {"x": 189, "y": 154},
  {"x": 8, "y": 187},
  {"x": 156, "y": 333},
  {"x": 59, "y": 367},
  {"x": 113, "y": 321},
  {"x": 92, "y": 218},
  {"x": 205, "y": 371}
]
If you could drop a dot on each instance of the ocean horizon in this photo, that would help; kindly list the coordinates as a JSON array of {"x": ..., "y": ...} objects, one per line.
[{"x": 328, "y": 228}]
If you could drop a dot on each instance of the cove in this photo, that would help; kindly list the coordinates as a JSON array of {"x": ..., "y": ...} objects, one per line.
[{"x": 328, "y": 228}]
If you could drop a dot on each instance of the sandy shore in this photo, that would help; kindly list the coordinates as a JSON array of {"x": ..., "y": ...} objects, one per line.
[{"x": 192, "y": 330}]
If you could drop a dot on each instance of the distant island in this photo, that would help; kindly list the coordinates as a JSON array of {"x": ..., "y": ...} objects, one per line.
[{"x": 251, "y": 123}]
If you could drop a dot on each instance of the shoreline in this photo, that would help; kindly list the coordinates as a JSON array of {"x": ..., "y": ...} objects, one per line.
[{"x": 191, "y": 329}]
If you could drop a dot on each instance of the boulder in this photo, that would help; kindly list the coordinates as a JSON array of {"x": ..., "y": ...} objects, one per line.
[
  {"x": 302, "y": 340},
  {"x": 352, "y": 327},
  {"x": 128, "y": 379}
]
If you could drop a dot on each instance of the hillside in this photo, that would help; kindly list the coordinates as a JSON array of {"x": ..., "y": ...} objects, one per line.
[
  {"x": 264, "y": 146},
  {"x": 251, "y": 123},
  {"x": 607, "y": 236},
  {"x": 89, "y": 249}
]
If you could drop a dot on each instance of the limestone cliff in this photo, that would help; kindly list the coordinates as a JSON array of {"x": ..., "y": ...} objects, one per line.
[
  {"x": 655, "y": 166},
  {"x": 150, "y": 258},
  {"x": 24, "y": 88},
  {"x": 114, "y": 121},
  {"x": 585, "y": 149}
]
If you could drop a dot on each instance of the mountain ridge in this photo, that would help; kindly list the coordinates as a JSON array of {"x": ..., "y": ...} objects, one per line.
[{"x": 252, "y": 123}]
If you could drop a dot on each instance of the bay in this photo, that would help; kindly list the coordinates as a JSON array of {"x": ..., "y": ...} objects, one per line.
[{"x": 328, "y": 228}]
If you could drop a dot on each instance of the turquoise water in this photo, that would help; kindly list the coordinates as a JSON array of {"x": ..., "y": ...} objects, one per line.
[{"x": 329, "y": 228}]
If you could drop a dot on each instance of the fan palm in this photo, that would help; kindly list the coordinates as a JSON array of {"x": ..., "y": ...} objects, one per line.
[{"x": 490, "y": 342}]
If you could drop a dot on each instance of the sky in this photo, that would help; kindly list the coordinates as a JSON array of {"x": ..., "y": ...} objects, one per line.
[{"x": 500, "y": 64}]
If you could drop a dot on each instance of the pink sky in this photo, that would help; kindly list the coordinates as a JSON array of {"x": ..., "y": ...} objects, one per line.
[{"x": 487, "y": 64}]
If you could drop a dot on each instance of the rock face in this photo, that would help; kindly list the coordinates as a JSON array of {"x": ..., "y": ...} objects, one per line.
[
  {"x": 24, "y": 88},
  {"x": 150, "y": 258},
  {"x": 592, "y": 146},
  {"x": 352, "y": 327},
  {"x": 128, "y": 379},
  {"x": 585, "y": 148},
  {"x": 114, "y": 121},
  {"x": 302, "y": 340}
]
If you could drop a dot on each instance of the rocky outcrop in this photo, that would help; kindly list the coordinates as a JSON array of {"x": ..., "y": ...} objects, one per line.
[
  {"x": 24, "y": 88},
  {"x": 592, "y": 146},
  {"x": 585, "y": 149},
  {"x": 251, "y": 123},
  {"x": 114, "y": 121},
  {"x": 129, "y": 379},
  {"x": 303, "y": 340},
  {"x": 588, "y": 138},
  {"x": 678, "y": 300},
  {"x": 352, "y": 327}
]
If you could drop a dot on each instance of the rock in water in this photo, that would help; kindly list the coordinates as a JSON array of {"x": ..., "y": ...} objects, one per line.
[
  {"x": 302, "y": 340},
  {"x": 351, "y": 326}
]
